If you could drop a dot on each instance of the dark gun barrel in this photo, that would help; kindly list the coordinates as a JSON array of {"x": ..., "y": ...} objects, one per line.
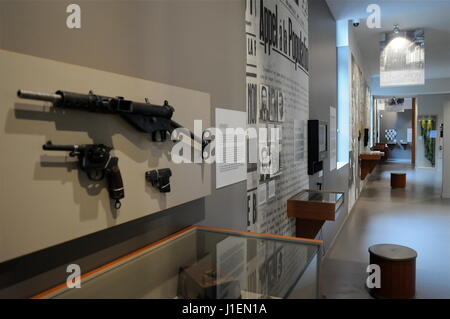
[
  {"x": 53, "y": 98},
  {"x": 98, "y": 103},
  {"x": 51, "y": 147}
]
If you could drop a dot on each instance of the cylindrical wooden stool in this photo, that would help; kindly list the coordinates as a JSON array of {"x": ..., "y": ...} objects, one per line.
[
  {"x": 398, "y": 180},
  {"x": 398, "y": 271}
]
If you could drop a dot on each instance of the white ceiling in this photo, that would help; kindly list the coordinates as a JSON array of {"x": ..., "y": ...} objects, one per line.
[{"x": 432, "y": 15}]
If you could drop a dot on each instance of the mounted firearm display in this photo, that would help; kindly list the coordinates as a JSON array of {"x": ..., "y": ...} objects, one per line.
[
  {"x": 97, "y": 162},
  {"x": 146, "y": 117},
  {"x": 160, "y": 178}
]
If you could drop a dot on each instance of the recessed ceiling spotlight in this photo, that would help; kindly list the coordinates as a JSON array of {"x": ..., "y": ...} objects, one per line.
[{"x": 396, "y": 28}]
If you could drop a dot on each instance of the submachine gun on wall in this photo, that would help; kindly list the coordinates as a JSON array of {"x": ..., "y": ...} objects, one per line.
[{"x": 149, "y": 118}]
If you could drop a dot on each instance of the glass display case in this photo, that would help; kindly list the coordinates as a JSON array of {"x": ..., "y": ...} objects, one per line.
[
  {"x": 320, "y": 196},
  {"x": 312, "y": 208},
  {"x": 368, "y": 162},
  {"x": 207, "y": 263}
]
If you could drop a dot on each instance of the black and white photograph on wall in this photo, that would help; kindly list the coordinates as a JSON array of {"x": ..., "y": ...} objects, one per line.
[
  {"x": 252, "y": 103},
  {"x": 264, "y": 103},
  {"x": 280, "y": 106},
  {"x": 273, "y": 104},
  {"x": 270, "y": 152},
  {"x": 264, "y": 153},
  {"x": 252, "y": 162},
  {"x": 402, "y": 58},
  {"x": 282, "y": 98},
  {"x": 252, "y": 211},
  {"x": 275, "y": 149},
  {"x": 265, "y": 164}
]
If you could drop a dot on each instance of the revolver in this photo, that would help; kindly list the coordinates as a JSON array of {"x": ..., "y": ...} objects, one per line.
[{"x": 97, "y": 162}]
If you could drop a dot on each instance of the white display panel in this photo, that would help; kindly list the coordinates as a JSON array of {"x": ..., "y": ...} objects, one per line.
[{"x": 230, "y": 151}]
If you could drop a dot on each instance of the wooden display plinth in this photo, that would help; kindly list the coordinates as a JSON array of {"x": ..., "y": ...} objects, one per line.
[
  {"x": 312, "y": 208},
  {"x": 307, "y": 228},
  {"x": 397, "y": 270},
  {"x": 398, "y": 180},
  {"x": 368, "y": 162},
  {"x": 381, "y": 147}
]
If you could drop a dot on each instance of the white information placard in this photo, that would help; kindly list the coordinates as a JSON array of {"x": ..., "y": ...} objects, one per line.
[{"x": 229, "y": 168}]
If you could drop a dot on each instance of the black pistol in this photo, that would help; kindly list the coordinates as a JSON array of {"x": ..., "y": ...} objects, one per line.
[
  {"x": 160, "y": 178},
  {"x": 97, "y": 162}
]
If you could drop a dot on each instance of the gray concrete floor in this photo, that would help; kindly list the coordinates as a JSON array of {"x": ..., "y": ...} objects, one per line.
[{"x": 416, "y": 217}]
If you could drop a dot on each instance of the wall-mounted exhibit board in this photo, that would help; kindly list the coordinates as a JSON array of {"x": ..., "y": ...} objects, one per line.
[
  {"x": 277, "y": 76},
  {"x": 45, "y": 199}
]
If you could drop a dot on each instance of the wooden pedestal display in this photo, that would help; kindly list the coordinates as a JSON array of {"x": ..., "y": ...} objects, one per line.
[
  {"x": 382, "y": 147},
  {"x": 398, "y": 180},
  {"x": 368, "y": 162},
  {"x": 398, "y": 271},
  {"x": 312, "y": 208},
  {"x": 307, "y": 228}
]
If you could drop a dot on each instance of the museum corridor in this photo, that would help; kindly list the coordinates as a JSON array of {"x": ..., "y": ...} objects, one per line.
[{"x": 416, "y": 217}]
